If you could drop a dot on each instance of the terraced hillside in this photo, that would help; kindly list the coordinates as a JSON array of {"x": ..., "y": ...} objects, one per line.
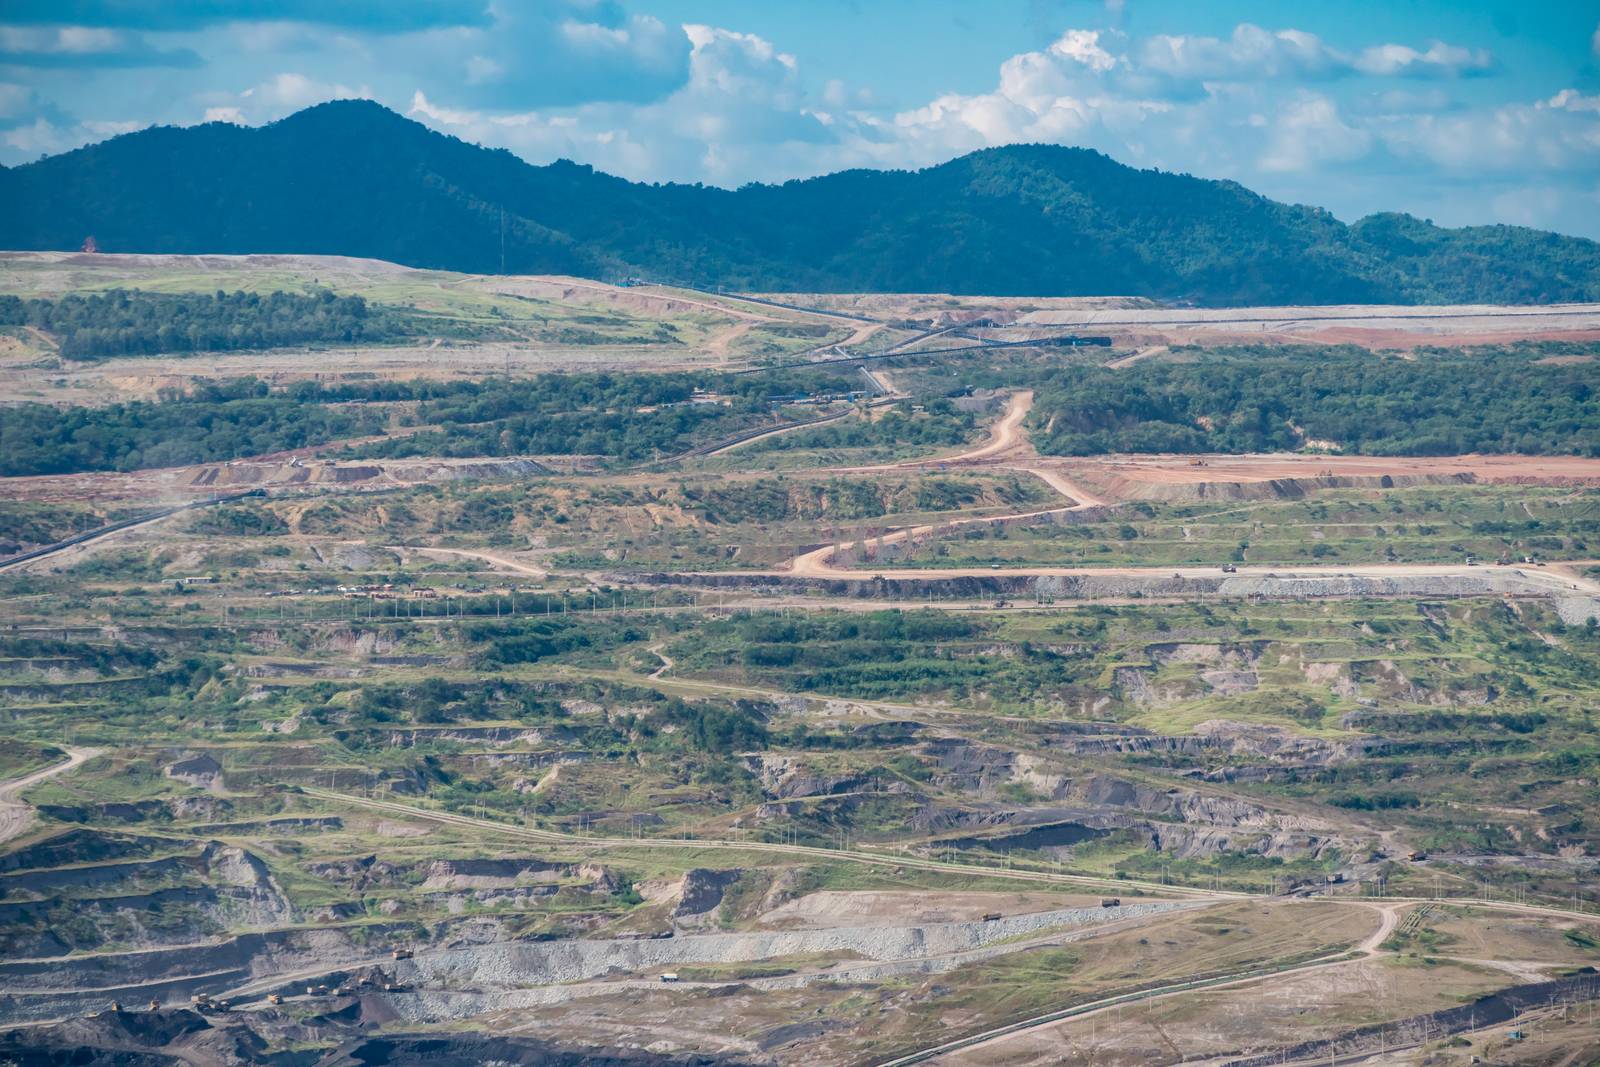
[{"x": 733, "y": 712}]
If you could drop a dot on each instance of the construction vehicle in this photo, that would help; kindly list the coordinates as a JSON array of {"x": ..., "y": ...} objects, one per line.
[
  {"x": 155, "y": 1005},
  {"x": 116, "y": 1005},
  {"x": 402, "y": 954},
  {"x": 274, "y": 998}
]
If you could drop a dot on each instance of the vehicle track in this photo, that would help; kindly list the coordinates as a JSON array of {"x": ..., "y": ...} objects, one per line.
[
  {"x": 487, "y": 557},
  {"x": 15, "y": 814},
  {"x": 854, "y": 855}
]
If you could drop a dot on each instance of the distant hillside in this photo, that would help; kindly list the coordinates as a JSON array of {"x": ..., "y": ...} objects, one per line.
[{"x": 354, "y": 178}]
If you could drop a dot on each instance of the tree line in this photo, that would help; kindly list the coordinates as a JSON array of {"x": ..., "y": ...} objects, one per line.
[
  {"x": 1439, "y": 402},
  {"x": 124, "y": 322},
  {"x": 623, "y": 417}
]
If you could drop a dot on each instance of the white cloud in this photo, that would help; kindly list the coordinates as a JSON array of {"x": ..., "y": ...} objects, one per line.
[
  {"x": 1406, "y": 101},
  {"x": 70, "y": 40},
  {"x": 1572, "y": 100},
  {"x": 1210, "y": 105},
  {"x": 740, "y": 114},
  {"x": 552, "y": 53},
  {"x": 290, "y": 91},
  {"x": 1310, "y": 132},
  {"x": 39, "y": 137},
  {"x": 1255, "y": 54},
  {"x": 1561, "y": 134},
  {"x": 1359, "y": 127},
  {"x": 1083, "y": 46},
  {"x": 1250, "y": 54},
  {"x": 1439, "y": 60},
  {"x": 14, "y": 99}
]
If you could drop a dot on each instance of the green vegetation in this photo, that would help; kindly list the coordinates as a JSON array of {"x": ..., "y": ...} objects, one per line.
[
  {"x": 1435, "y": 402},
  {"x": 221, "y": 421},
  {"x": 1421, "y": 524},
  {"x": 616, "y": 417},
  {"x": 134, "y": 323},
  {"x": 1021, "y": 219},
  {"x": 939, "y": 425}
]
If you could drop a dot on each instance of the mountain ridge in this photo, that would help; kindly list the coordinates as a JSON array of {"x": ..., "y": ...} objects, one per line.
[{"x": 355, "y": 178}]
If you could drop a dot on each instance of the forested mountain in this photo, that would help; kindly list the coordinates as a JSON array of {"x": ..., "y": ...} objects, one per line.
[{"x": 354, "y": 178}]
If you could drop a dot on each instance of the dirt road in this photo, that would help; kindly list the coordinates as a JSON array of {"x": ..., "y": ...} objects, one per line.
[
  {"x": 818, "y": 564},
  {"x": 791, "y": 428},
  {"x": 487, "y": 557},
  {"x": 1007, "y": 437},
  {"x": 988, "y": 1040},
  {"x": 15, "y": 814},
  {"x": 886, "y": 857}
]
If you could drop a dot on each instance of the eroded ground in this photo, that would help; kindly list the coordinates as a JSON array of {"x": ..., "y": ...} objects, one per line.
[{"x": 834, "y": 745}]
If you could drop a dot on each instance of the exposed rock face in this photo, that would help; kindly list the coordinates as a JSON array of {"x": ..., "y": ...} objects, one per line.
[
  {"x": 784, "y": 777},
  {"x": 362, "y": 558},
  {"x": 361, "y": 874},
  {"x": 1223, "y": 737},
  {"x": 257, "y": 896},
  {"x": 198, "y": 770},
  {"x": 491, "y": 874},
  {"x": 199, "y": 807},
  {"x": 1576, "y": 610},
  {"x": 1137, "y": 686},
  {"x": 1079, "y": 807},
  {"x": 702, "y": 895},
  {"x": 601, "y": 879}
]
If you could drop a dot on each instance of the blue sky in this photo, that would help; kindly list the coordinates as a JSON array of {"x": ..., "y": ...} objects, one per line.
[{"x": 1460, "y": 112}]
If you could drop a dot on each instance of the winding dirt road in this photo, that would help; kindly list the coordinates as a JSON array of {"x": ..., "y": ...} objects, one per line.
[
  {"x": 500, "y": 561},
  {"x": 1368, "y": 948},
  {"x": 1006, "y": 438},
  {"x": 16, "y": 815}
]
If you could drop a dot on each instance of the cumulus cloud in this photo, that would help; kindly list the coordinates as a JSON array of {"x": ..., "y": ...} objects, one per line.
[
  {"x": 1255, "y": 54},
  {"x": 1572, "y": 100},
  {"x": 277, "y": 96},
  {"x": 1211, "y": 105},
  {"x": 86, "y": 46},
  {"x": 1250, "y": 54},
  {"x": 1310, "y": 132},
  {"x": 1439, "y": 60},
  {"x": 377, "y": 16},
  {"x": 291, "y": 92},
  {"x": 740, "y": 113},
  {"x": 1560, "y": 134},
  {"x": 23, "y": 106},
  {"x": 560, "y": 52}
]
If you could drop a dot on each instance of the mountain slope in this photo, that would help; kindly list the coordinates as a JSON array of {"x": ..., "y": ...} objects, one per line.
[{"x": 354, "y": 178}]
